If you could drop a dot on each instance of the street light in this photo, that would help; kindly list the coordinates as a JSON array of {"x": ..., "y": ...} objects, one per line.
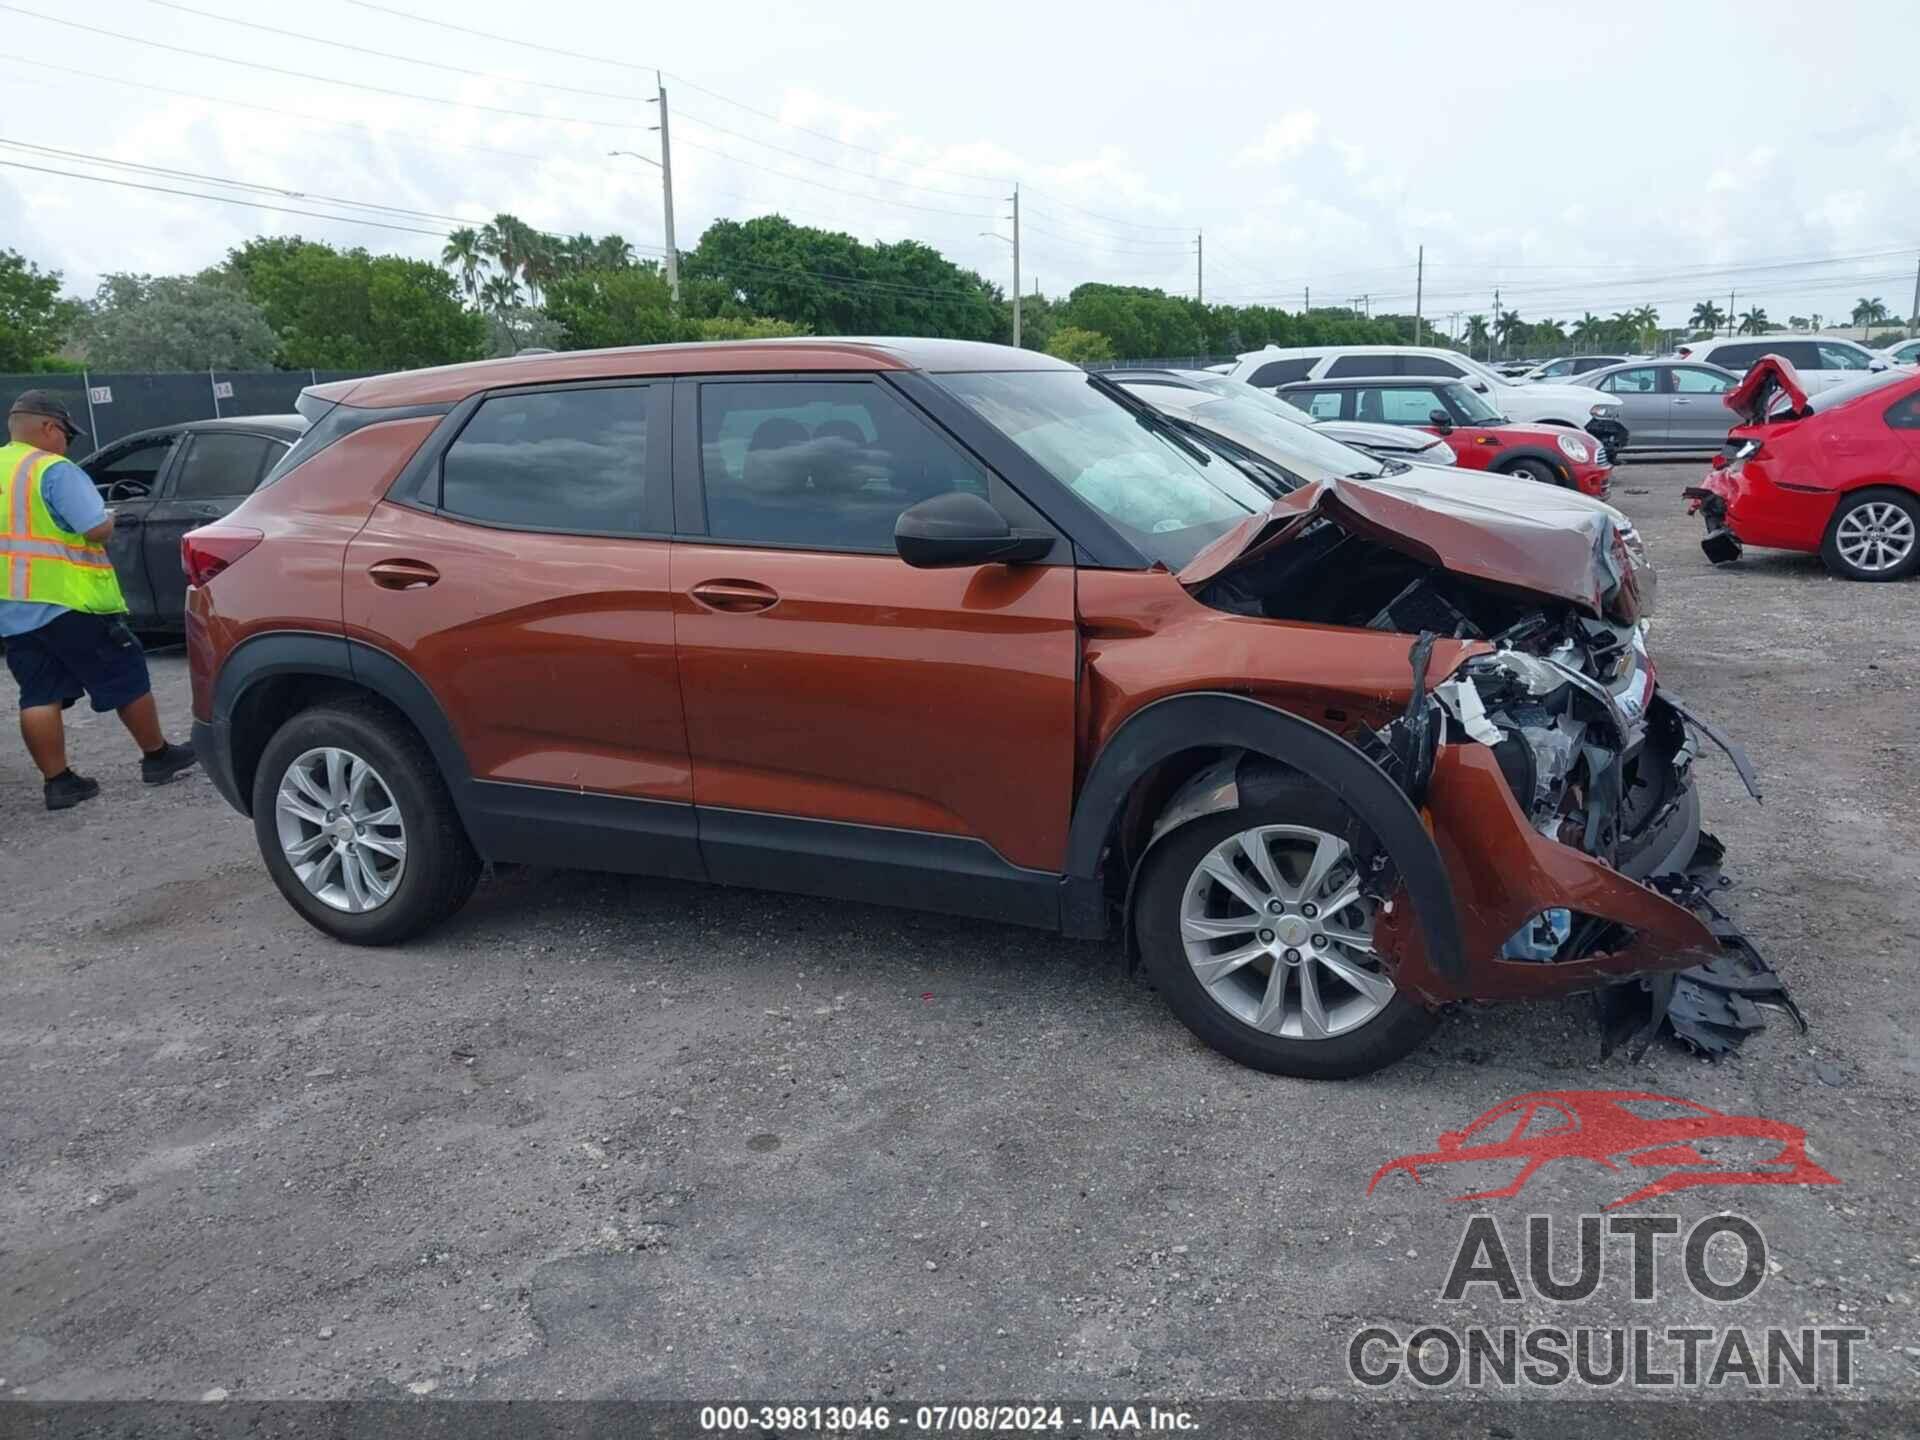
[
  {"x": 636, "y": 155},
  {"x": 665, "y": 166}
]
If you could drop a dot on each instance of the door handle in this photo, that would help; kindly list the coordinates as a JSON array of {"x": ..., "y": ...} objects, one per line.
[
  {"x": 1682, "y": 402},
  {"x": 735, "y": 597},
  {"x": 402, "y": 574}
]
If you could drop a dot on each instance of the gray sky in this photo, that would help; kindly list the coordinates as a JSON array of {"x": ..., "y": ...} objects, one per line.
[{"x": 1600, "y": 155}]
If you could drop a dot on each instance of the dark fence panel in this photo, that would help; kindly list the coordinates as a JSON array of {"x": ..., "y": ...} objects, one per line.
[{"x": 114, "y": 404}]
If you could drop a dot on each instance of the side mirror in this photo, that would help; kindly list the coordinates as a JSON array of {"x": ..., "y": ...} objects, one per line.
[
  {"x": 1442, "y": 421},
  {"x": 959, "y": 528},
  {"x": 1878, "y": 364},
  {"x": 1481, "y": 386}
]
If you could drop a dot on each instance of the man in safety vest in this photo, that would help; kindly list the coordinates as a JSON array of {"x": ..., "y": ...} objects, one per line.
[{"x": 61, "y": 608}]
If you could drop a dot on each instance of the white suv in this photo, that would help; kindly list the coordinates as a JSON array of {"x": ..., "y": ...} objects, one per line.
[
  {"x": 1572, "y": 405},
  {"x": 1821, "y": 361}
]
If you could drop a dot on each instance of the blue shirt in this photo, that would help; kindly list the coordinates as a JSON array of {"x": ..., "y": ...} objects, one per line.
[{"x": 77, "y": 506}]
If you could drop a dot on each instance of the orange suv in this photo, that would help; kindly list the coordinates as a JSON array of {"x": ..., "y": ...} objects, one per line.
[{"x": 959, "y": 627}]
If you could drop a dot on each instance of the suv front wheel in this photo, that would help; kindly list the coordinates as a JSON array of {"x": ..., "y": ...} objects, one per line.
[
  {"x": 1253, "y": 926},
  {"x": 356, "y": 825}
]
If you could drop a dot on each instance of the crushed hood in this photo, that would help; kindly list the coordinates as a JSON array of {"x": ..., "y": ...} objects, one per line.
[
  {"x": 1514, "y": 534},
  {"x": 1753, "y": 398}
]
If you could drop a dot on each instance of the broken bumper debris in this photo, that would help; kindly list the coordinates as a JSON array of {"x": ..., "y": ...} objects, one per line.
[{"x": 1566, "y": 812}]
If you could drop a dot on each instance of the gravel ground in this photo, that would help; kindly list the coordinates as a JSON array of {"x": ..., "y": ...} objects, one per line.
[{"x": 609, "y": 1137}]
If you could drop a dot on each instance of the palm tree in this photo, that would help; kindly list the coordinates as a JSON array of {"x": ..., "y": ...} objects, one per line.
[
  {"x": 500, "y": 292},
  {"x": 1587, "y": 328},
  {"x": 612, "y": 252},
  {"x": 1814, "y": 322},
  {"x": 1621, "y": 326},
  {"x": 1754, "y": 322},
  {"x": 508, "y": 240},
  {"x": 1707, "y": 316},
  {"x": 463, "y": 249},
  {"x": 1476, "y": 332},
  {"x": 1868, "y": 313},
  {"x": 1504, "y": 325}
]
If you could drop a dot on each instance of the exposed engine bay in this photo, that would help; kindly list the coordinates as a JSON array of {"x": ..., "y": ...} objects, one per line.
[{"x": 1595, "y": 758}]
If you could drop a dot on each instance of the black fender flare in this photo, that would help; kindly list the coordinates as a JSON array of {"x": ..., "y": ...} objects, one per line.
[
  {"x": 1216, "y": 718},
  {"x": 282, "y": 653}
]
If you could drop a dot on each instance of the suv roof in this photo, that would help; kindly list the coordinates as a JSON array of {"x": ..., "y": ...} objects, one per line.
[{"x": 455, "y": 382}]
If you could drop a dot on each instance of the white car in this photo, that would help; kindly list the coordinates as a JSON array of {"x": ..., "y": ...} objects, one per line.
[
  {"x": 1571, "y": 405},
  {"x": 1568, "y": 367},
  {"x": 1906, "y": 353},
  {"x": 1820, "y": 361}
]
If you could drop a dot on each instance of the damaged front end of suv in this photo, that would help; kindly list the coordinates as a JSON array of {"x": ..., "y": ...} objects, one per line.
[{"x": 1553, "y": 774}]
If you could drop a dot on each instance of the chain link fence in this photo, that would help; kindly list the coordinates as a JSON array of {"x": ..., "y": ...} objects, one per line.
[{"x": 114, "y": 405}]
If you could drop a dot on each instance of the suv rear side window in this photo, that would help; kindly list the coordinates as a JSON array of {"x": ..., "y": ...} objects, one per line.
[
  {"x": 1427, "y": 365},
  {"x": 825, "y": 465},
  {"x": 1372, "y": 366},
  {"x": 566, "y": 460},
  {"x": 1738, "y": 357},
  {"x": 1280, "y": 372},
  {"x": 218, "y": 465}
]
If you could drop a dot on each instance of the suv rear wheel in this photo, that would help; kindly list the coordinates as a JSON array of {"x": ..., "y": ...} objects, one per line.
[
  {"x": 1255, "y": 930},
  {"x": 356, "y": 825}
]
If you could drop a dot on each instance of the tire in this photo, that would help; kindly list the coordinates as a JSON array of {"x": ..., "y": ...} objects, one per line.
[
  {"x": 1162, "y": 904},
  {"x": 1896, "y": 513},
  {"x": 1532, "y": 470},
  {"x": 436, "y": 869}
]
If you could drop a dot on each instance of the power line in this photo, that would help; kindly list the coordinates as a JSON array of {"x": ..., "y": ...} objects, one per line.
[
  {"x": 1109, "y": 219},
  {"x": 320, "y": 79},
  {"x": 626, "y": 99},
  {"x": 682, "y": 79},
  {"x": 223, "y": 199}
]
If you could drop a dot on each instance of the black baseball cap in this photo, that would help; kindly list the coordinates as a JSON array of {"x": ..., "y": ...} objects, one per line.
[{"x": 45, "y": 402}]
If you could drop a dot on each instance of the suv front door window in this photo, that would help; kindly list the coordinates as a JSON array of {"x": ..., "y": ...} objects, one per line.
[{"x": 825, "y": 679}]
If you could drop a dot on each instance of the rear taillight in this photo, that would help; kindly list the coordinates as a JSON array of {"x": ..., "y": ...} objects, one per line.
[{"x": 205, "y": 552}]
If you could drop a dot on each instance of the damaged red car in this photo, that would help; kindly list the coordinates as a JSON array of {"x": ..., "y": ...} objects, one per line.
[
  {"x": 1837, "y": 475},
  {"x": 963, "y": 628}
]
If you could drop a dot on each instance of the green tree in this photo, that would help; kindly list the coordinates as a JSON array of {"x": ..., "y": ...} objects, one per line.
[
  {"x": 1504, "y": 326},
  {"x": 1082, "y": 347},
  {"x": 34, "y": 319},
  {"x": 831, "y": 283},
  {"x": 348, "y": 310},
  {"x": 727, "y": 327},
  {"x": 1797, "y": 322},
  {"x": 176, "y": 322},
  {"x": 1754, "y": 322},
  {"x": 1707, "y": 316},
  {"x": 598, "y": 308}
]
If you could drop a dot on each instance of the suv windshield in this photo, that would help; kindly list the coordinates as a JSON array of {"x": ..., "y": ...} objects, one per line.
[
  {"x": 1474, "y": 367},
  {"x": 1170, "y": 505}
]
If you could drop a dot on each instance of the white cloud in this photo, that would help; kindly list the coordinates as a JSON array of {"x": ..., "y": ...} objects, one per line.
[{"x": 1285, "y": 137}]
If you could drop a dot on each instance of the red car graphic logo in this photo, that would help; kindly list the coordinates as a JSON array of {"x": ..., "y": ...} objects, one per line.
[{"x": 1620, "y": 1130}]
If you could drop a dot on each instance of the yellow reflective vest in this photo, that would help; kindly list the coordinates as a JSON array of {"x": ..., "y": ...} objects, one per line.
[{"x": 40, "y": 562}]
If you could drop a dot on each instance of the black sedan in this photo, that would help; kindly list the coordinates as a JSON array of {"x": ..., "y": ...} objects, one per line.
[{"x": 161, "y": 483}]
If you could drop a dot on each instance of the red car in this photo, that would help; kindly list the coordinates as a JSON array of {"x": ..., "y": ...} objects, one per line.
[
  {"x": 1622, "y": 1129},
  {"x": 1479, "y": 435},
  {"x": 1837, "y": 475}
]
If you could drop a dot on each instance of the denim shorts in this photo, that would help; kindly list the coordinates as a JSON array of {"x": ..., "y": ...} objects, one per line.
[{"x": 77, "y": 654}]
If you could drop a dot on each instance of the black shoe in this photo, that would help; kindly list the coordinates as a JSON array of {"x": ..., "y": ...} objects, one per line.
[
  {"x": 67, "y": 790},
  {"x": 167, "y": 762}
]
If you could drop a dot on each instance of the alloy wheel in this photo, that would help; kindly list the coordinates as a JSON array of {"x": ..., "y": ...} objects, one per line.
[
  {"x": 1875, "y": 536},
  {"x": 1277, "y": 932},
  {"x": 340, "y": 830}
]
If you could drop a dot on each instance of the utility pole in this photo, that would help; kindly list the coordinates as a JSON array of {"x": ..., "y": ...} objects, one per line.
[
  {"x": 1914, "y": 323},
  {"x": 1016, "y": 265},
  {"x": 1306, "y": 300},
  {"x": 1496, "y": 322},
  {"x": 1730, "y": 295},
  {"x": 666, "y": 190},
  {"x": 1200, "y": 267},
  {"x": 1419, "y": 290}
]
